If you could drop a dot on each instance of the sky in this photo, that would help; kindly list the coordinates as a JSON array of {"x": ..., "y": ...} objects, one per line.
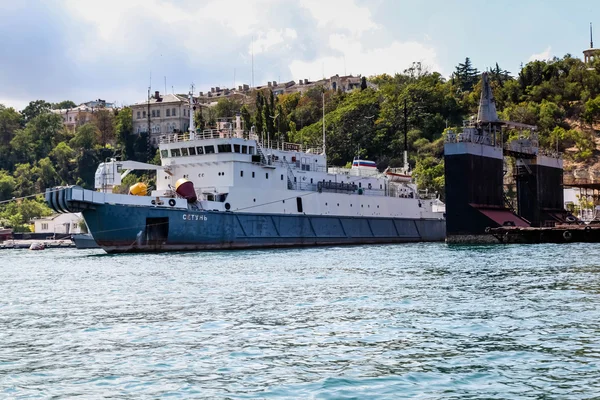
[{"x": 113, "y": 50}]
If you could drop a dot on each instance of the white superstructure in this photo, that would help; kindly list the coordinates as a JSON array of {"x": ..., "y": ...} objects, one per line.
[{"x": 241, "y": 171}]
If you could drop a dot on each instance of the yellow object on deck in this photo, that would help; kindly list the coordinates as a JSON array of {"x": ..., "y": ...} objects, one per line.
[{"x": 139, "y": 189}]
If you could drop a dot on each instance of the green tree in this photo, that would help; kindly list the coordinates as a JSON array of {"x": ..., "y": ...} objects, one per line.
[
  {"x": 64, "y": 105},
  {"x": 246, "y": 117},
  {"x": 105, "y": 123},
  {"x": 466, "y": 76},
  {"x": 63, "y": 157},
  {"x": 86, "y": 137},
  {"x": 18, "y": 214},
  {"x": 591, "y": 112},
  {"x": 7, "y": 185},
  {"x": 39, "y": 137},
  {"x": 227, "y": 108},
  {"x": 199, "y": 119},
  {"x": 35, "y": 108},
  {"x": 9, "y": 124}
]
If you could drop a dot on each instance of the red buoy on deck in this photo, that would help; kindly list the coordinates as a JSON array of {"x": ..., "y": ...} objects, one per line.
[{"x": 185, "y": 189}]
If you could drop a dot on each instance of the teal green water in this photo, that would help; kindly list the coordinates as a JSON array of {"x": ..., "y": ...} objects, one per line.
[{"x": 403, "y": 321}]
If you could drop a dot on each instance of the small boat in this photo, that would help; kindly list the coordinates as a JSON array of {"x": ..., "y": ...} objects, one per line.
[
  {"x": 84, "y": 241},
  {"x": 37, "y": 246},
  {"x": 397, "y": 175}
]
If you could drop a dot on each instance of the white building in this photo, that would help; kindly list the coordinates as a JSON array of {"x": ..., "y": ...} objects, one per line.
[
  {"x": 164, "y": 113},
  {"x": 58, "y": 223},
  {"x": 83, "y": 113}
]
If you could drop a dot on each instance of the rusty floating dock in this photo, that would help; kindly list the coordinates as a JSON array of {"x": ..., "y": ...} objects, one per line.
[{"x": 564, "y": 233}]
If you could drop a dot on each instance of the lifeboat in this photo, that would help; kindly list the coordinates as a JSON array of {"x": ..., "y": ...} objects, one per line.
[
  {"x": 185, "y": 189},
  {"x": 139, "y": 189},
  {"x": 396, "y": 176}
]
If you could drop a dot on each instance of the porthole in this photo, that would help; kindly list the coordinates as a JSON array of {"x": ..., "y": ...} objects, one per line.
[
  {"x": 227, "y": 206},
  {"x": 255, "y": 200}
]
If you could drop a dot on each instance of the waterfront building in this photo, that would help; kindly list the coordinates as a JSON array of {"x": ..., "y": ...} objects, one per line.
[{"x": 58, "y": 223}]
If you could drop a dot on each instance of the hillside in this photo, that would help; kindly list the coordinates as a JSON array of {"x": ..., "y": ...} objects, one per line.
[{"x": 560, "y": 96}]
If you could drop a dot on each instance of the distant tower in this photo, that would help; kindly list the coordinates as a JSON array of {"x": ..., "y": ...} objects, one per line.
[{"x": 590, "y": 54}]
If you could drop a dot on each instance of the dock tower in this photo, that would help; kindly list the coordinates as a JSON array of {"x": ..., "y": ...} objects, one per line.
[
  {"x": 539, "y": 180},
  {"x": 474, "y": 171}
]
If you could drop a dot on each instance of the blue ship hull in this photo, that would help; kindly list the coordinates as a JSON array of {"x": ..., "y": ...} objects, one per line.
[{"x": 121, "y": 228}]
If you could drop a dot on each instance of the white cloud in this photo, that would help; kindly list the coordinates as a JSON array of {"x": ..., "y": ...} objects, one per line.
[
  {"x": 340, "y": 14},
  {"x": 544, "y": 55},
  {"x": 271, "y": 38},
  {"x": 112, "y": 46},
  {"x": 357, "y": 59}
]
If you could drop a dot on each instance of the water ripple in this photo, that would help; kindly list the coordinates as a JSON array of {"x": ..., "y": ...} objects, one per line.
[{"x": 402, "y": 321}]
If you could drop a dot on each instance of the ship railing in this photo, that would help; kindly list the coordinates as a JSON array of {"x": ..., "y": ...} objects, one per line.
[{"x": 290, "y": 175}]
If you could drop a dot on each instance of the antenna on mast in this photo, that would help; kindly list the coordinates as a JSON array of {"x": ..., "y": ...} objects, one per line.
[
  {"x": 591, "y": 38},
  {"x": 148, "y": 142},
  {"x": 252, "y": 52},
  {"x": 406, "y": 166},
  {"x": 192, "y": 128},
  {"x": 324, "y": 136}
]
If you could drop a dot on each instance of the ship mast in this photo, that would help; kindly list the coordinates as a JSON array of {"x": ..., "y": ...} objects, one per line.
[
  {"x": 192, "y": 128},
  {"x": 324, "y": 136}
]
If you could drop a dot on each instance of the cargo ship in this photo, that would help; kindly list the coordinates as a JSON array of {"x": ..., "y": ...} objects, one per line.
[{"x": 229, "y": 188}]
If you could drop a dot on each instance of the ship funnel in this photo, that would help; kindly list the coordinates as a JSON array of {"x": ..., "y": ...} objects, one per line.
[
  {"x": 487, "y": 104},
  {"x": 185, "y": 189}
]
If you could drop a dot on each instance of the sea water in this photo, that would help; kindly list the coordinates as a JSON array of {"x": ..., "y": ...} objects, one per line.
[{"x": 365, "y": 322}]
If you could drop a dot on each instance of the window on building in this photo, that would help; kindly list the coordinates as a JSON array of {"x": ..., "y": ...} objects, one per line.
[
  {"x": 168, "y": 112},
  {"x": 200, "y": 150},
  {"x": 224, "y": 148},
  {"x": 153, "y": 113},
  {"x": 71, "y": 118},
  {"x": 164, "y": 153},
  {"x": 209, "y": 149},
  {"x": 175, "y": 153},
  {"x": 192, "y": 151},
  {"x": 174, "y": 112},
  {"x": 138, "y": 115},
  {"x": 184, "y": 152},
  {"x": 158, "y": 113},
  {"x": 44, "y": 226}
]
